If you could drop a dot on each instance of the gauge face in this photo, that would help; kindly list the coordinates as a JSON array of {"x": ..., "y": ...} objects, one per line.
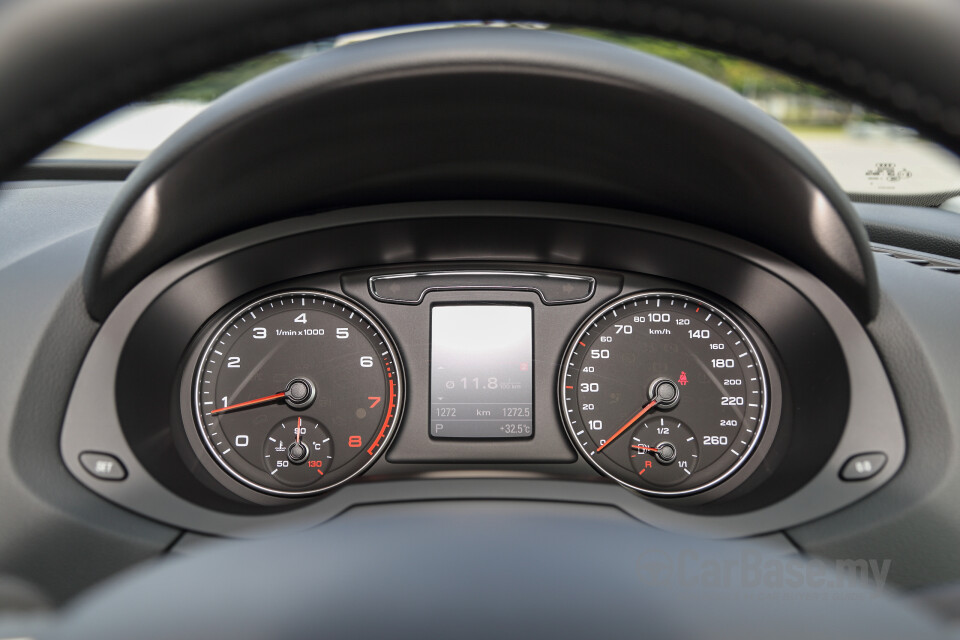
[
  {"x": 664, "y": 393},
  {"x": 297, "y": 392}
]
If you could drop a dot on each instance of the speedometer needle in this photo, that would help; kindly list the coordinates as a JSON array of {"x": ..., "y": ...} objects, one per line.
[
  {"x": 640, "y": 414},
  {"x": 250, "y": 403}
]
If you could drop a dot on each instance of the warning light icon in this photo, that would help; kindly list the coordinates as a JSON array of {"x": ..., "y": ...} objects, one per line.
[{"x": 682, "y": 379}]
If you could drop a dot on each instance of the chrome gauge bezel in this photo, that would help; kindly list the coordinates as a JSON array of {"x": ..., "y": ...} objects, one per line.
[
  {"x": 231, "y": 319},
  {"x": 728, "y": 317}
]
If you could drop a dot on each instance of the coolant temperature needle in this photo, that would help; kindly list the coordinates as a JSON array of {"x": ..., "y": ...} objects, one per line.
[
  {"x": 299, "y": 422},
  {"x": 250, "y": 403},
  {"x": 640, "y": 414}
]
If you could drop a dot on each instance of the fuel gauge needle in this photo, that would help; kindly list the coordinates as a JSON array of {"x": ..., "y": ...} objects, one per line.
[
  {"x": 640, "y": 447},
  {"x": 640, "y": 414}
]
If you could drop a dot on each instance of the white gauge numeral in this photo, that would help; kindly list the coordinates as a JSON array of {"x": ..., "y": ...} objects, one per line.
[
  {"x": 366, "y": 361},
  {"x": 302, "y": 318},
  {"x": 343, "y": 333},
  {"x": 259, "y": 333},
  {"x": 233, "y": 362},
  {"x": 242, "y": 441}
]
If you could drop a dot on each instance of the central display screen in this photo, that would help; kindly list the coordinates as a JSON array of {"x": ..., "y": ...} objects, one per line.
[{"x": 481, "y": 371}]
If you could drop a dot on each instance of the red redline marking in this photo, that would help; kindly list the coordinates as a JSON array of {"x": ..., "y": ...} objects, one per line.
[
  {"x": 641, "y": 472},
  {"x": 582, "y": 345},
  {"x": 569, "y": 387},
  {"x": 698, "y": 310},
  {"x": 383, "y": 429}
]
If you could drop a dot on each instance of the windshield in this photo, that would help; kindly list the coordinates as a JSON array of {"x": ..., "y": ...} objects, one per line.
[{"x": 872, "y": 158}]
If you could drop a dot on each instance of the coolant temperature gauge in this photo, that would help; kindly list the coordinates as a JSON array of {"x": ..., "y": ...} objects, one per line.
[{"x": 298, "y": 451}]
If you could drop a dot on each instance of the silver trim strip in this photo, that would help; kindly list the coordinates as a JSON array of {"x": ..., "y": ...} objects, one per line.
[{"x": 487, "y": 275}]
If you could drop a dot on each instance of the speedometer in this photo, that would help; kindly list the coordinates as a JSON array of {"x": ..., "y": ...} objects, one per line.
[{"x": 664, "y": 392}]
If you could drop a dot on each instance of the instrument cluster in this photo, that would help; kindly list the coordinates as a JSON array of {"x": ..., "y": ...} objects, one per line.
[{"x": 661, "y": 388}]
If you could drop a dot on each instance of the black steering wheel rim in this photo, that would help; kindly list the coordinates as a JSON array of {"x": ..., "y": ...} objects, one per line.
[{"x": 98, "y": 55}]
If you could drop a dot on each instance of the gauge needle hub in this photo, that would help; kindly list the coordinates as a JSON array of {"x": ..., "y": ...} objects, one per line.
[{"x": 629, "y": 423}]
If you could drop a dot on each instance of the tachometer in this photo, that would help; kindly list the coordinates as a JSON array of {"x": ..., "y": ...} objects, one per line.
[
  {"x": 297, "y": 392},
  {"x": 664, "y": 392}
]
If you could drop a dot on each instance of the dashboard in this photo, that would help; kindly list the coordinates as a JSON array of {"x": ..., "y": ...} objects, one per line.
[{"x": 698, "y": 380}]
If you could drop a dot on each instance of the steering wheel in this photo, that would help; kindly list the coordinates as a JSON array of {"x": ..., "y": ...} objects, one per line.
[
  {"x": 98, "y": 55},
  {"x": 482, "y": 568}
]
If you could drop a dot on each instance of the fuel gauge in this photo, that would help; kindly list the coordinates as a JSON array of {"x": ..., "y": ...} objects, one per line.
[{"x": 663, "y": 451}]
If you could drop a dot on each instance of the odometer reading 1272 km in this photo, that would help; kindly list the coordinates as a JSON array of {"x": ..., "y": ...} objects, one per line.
[
  {"x": 297, "y": 392},
  {"x": 664, "y": 393}
]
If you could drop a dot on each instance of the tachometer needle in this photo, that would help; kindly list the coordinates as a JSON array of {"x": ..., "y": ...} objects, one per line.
[
  {"x": 640, "y": 414},
  {"x": 250, "y": 403}
]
